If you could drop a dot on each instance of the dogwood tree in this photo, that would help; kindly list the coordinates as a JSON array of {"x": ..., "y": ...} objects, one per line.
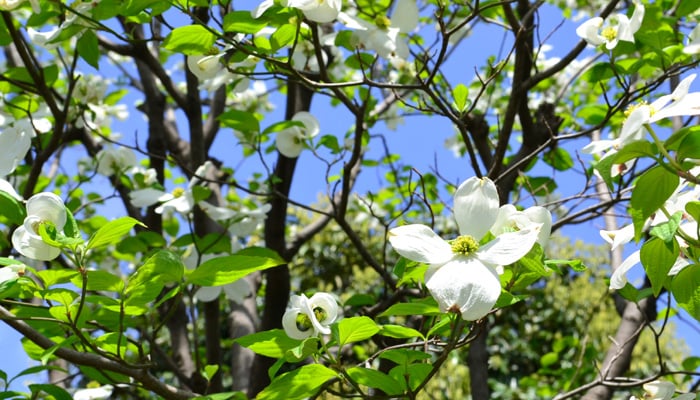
[{"x": 179, "y": 221}]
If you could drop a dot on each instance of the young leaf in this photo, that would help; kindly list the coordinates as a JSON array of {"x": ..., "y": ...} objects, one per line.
[
  {"x": 376, "y": 380},
  {"x": 653, "y": 188},
  {"x": 658, "y": 257},
  {"x": 460, "y": 94},
  {"x": 112, "y": 232},
  {"x": 190, "y": 40},
  {"x": 686, "y": 289},
  {"x": 273, "y": 343},
  {"x": 298, "y": 384},
  {"x": 226, "y": 269},
  {"x": 354, "y": 329}
]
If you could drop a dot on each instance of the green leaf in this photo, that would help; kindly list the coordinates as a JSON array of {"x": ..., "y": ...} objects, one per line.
[
  {"x": 88, "y": 48},
  {"x": 298, "y": 384},
  {"x": 549, "y": 359},
  {"x": 46, "y": 355},
  {"x": 399, "y": 331},
  {"x": 112, "y": 232},
  {"x": 283, "y": 36},
  {"x": 11, "y": 209},
  {"x": 689, "y": 146},
  {"x": 147, "y": 282},
  {"x": 52, "y": 277},
  {"x": 273, "y": 343},
  {"x": 653, "y": 188},
  {"x": 354, "y": 329},
  {"x": 240, "y": 121},
  {"x": 209, "y": 371},
  {"x": 658, "y": 257},
  {"x": 57, "y": 392},
  {"x": 667, "y": 230},
  {"x": 559, "y": 159},
  {"x": 427, "y": 307},
  {"x": 100, "y": 280},
  {"x": 226, "y": 269},
  {"x": 693, "y": 209},
  {"x": 223, "y": 396},
  {"x": 190, "y": 40},
  {"x": 686, "y": 290},
  {"x": 376, "y": 380},
  {"x": 461, "y": 96},
  {"x": 305, "y": 349},
  {"x": 243, "y": 22}
]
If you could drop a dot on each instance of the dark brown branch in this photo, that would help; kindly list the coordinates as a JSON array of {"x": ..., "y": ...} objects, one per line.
[{"x": 140, "y": 375}]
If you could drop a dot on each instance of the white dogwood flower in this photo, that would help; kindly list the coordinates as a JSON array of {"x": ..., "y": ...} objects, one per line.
[
  {"x": 463, "y": 275},
  {"x": 11, "y": 272},
  {"x": 306, "y": 317},
  {"x": 320, "y": 11},
  {"x": 180, "y": 199},
  {"x": 678, "y": 103},
  {"x": 290, "y": 141},
  {"x": 98, "y": 393},
  {"x": 610, "y": 31},
  {"x": 42, "y": 208},
  {"x": 662, "y": 390},
  {"x": 693, "y": 46},
  {"x": 111, "y": 161},
  {"x": 383, "y": 36}
]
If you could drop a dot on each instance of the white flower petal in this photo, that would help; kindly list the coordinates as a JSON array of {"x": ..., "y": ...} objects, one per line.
[
  {"x": 541, "y": 215},
  {"x": 208, "y": 293},
  {"x": 99, "y": 393},
  {"x": 405, "y": 16},
  {"x": 419, "y": 243},
  {"x": 659, "y": 390},
  {"x": 619, "y": 276},
  {"x": 476, "y": 206},
  {"x": 148, "y": 197},
  {"x": 238, "y": 290},
  {"x": 599, "y": 146},
  {"x": 48, "y": 207},
  {"x": 618, "y": 237},
  {"x": 509, "y": 247},
  {"x": 588, "y": 31},
  {"x": 464, "y": 284},
  {"x": 330, "y": 308},
  {"x": 290, "y": 142},
  {"x": 289, "y": 324},
  {"x": 32, "y": 246},
  {"x": 261, "y": 8},
  {"x": 311, "y": 125}
]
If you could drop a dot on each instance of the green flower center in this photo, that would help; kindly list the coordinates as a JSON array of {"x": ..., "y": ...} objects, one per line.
[
  {"x": 609, "y": 33},
  {"x": 304, "y": 322},
  {"x": 382, "y": 22},
  {"x": 465, "y": 245},
  {"x": 178, "y": 192}
]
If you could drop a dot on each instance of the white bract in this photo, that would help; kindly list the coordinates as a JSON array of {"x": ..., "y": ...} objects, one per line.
[
  {"x": 180, "y": 200},
  {"x": 610, "y": 31},
  {"x": 383, "y": 36},
  {"x": 9, "y": 5},
  {"x": 11, "y": 272},
  {"x": 235, "y": 291},
  {"x": 241, "y": 222},
  {"x": 290, "y": 141},
  {"x": 320, "y": 11},
  {"x": 463, "y": 275},
  {"x": 112, "y": 161},
  {"x": 99, "y": 393},
  {"x": 693, "y": 46},
  {"x": 306, "y": 317},
  {"x": 42, "y": 208},
  {"x": 678, "y": 103},
  {"x": 662, "y": 390}
]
